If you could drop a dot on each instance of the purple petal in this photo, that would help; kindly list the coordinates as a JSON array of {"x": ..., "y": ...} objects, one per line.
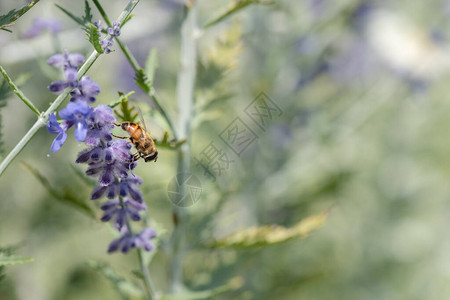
[
  {"x": 53, "y": 125},
  {"x": 58, "y": 86},
  {"x": 56, "y": 60},
  {"x": 71, "y": 74},
  {"x": 107, "y": 177},
  {"x": 98, "y": 192},
  {"x": 81, "y": 131},
  {"x": 58, "y": 142},
  {"x": 76, "y": 59},
  {"x": 89, "y": 87}
]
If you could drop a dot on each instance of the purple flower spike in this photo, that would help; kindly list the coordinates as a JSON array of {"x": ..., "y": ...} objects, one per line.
[
  {"x": 115, "y": 30},
  {"x": 54, "y": 127},
  {"x": 77, "y": 113},
  {"x": 127, "y": 241}
]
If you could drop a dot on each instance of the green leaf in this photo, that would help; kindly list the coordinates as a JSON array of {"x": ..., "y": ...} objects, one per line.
[
  {"x": 85, "y": 21},
  {"x": 151, "y": 65},
  {"x": 169, "y": 144},
  {"x": 122, "y": 97},
  {"x": 123, "y": 287},
  {"x": 72, "y": 16},
  {"x": 234, "y": 284},
  {"x": 6, "y": 260},
  {"x": 126, "y": 20},
  {"x": 5, "y": 92},
  {"x": 87, "y": 18},
  {"x": 66, "y": 196},
  {"x": 93, "y": 36},
  {"x": 272, "y": 234},
  {"x": 142, "y": 81},
  {"x": 126, "y": 113},
  {"x": 9, "y": 18},
  {"x": 232, "y": 9}
]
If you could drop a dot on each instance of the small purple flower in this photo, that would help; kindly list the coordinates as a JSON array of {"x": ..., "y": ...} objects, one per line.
[
  {"x": 98, "y": 24},
  {"x": 77, "y": 113},
  {"x": 86, "y": 91},
  {"x": 110, "y": 162},
  {"x": 60, "y": 60},
  {"x": 106, "y": 44},
  {"x": 100, "y": 124},
  {"x": 126, "y": 187},
  {"x": 41, "y": 24},
  {"x": 128, "y": 241},
  {"x": 54, "y": 127},
  {"x": 114, "y": 210},
  {"x": 69, "y": 63},
  {"x": 58, "y": 86},
  {"x": 114, "y": 31}
]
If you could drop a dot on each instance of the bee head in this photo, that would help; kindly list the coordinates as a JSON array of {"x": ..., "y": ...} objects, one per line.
[{"x": 151, "y": 157}]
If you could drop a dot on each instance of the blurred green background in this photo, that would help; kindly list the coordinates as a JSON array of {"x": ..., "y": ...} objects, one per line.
[{"x": 362, "y": 86}]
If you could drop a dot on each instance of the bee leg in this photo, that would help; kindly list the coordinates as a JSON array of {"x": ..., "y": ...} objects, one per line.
[
  {"x": 118, "y": 125},
  {"x": 119, "y": 137},
  {"x": 133, "y": 159}
]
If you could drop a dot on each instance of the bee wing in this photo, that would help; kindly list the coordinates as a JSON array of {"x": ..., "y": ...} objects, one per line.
[{"x": 141, "y": 118}]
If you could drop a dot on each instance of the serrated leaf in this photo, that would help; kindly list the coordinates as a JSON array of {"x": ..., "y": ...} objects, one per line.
[
  {"x": 272, "y": 234},
  {"x": 151, "y": 65},
  {"x": 87, "y": 18},
  {"x": 142, "y": 81},
  {"x": 93, "y": 36},
  {"x": 72, "y": 16},
  {"x": 6, "y": 260},
  {"x": 232, "y": 9},
  {"x": 66, "y": 196},
  {"x": 124, "y": 288},
  {"x": 234, "y": 284},
  {"x": 126, "y": 113},
  {"x": 9, "y": 18}
]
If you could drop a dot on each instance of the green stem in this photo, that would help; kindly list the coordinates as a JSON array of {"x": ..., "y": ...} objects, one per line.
[
  {"x": 19, "y": 93},
  {"x": 102, "y": 12},
  {"x": 151, "y": 93},
  {"x": 147, "y": 281},
  {"x": 43, "y": 118},
  {"x": 185, "y": 99},
  {"x": 136, "y": 67}
]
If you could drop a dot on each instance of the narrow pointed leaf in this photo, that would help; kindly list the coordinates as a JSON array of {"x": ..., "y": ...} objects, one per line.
[
  {"x": 271, "y": 234},
  {"x": 232, "y": 9},
  {"x": 151, "y": 65},
  {"x": 72, "y": 16},
  {"x": 13, "y": 260},
  {"x": 8, "y": 19}
]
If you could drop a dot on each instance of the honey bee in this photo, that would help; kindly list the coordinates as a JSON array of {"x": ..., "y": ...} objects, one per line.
[{"x": 142, "y": 141}]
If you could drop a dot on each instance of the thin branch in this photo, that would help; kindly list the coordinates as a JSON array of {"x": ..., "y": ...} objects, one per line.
[
  {"x": 19, "y": 93},
  {"x": 185, "y": 99}
]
